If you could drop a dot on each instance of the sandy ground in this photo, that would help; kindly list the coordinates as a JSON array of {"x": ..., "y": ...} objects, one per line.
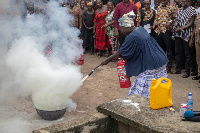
[{"x": 102, "y": 86}]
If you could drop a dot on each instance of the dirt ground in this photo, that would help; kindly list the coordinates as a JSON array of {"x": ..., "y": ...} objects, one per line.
[{"x": 102, "y": 86}]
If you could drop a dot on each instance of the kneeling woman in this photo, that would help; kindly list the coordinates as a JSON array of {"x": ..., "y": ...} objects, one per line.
[{"x": 145, "y": 58}]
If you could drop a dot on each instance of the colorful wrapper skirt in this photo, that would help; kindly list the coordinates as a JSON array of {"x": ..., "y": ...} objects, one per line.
[{"x": 142, "y": 82}]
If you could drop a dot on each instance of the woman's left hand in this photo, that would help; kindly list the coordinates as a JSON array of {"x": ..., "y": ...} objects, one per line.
[{"x": 105, "y": 26}]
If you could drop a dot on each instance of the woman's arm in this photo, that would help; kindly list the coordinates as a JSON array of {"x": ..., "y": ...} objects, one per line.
[
  {"x": 108, "y": 24},
  {"x": 192, "y": 36},
  {"x": 94, "y": 27},
  {"x": 114, "y": 56}
]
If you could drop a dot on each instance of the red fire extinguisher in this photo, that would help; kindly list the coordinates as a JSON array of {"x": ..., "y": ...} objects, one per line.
[
  {"x": 49, "y": 51},
  {"x": 80, "y": 60},
  {"x": 123, "y": 80}
]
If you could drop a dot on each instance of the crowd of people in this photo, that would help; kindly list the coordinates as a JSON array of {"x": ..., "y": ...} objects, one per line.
[{"x": 174, "y": 27}]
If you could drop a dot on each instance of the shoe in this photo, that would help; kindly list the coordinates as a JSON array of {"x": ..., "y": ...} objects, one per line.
[
  {"x": 177, "y": 72},
  {"x": 169, "y": 70},
  {"x": 194, "y": 73},
  {"x": 196, "y": 78},
  {"x": 185, "y": 76}
]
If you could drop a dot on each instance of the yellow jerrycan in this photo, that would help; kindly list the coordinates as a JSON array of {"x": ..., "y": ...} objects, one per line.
[{"x": 160, "y": 93}]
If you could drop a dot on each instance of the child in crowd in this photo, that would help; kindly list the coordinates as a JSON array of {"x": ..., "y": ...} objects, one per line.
[{"x": 88, "y": 17}]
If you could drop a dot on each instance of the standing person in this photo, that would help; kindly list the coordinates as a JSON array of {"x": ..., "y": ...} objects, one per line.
[
  {"x": 88, "y": 18},
  {"x": 101, "y": 39},
  {"x": 156, "y": 4},
  {"x": 196, "y": 34},
  {"x": 30, "y": 11},
  {"x": 183, "y": 28},
  {"x": 138, "y": 3},
  {"x": 73, "y": 10},
  {"x": 81, "y": 11},
  {"x": 145, "y": 58},
  {"x": 122, "y": 8},
  {"x": 109, "y": 26},
  {"x": 164, "y": 18},
  {"x": 146, "y": 16}
]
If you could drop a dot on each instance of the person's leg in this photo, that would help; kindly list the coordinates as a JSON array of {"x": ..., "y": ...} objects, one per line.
[
  {"x": 188, "y": 58},
  {"x": 167, "y": 43},
  {"x": 159, "y": 40},
  {"x": 91, "y": 41},
  {"x": 179, "y": 55},
  {"x": 194, "y": 68},
  {"x": 85, "y": 39}
]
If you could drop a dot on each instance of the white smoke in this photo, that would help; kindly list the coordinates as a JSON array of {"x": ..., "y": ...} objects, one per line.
[{"x": 25, "y": 70}]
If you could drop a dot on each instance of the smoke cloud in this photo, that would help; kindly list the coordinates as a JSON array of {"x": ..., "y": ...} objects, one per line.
[{"x": 25, "y": 68}]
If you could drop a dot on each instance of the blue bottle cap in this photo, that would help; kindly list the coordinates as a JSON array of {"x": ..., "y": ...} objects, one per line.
[{"x": 189, "y": 94}]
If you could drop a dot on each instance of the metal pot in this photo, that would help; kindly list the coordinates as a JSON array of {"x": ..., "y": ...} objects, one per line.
[{"x": 51, "y": 115}]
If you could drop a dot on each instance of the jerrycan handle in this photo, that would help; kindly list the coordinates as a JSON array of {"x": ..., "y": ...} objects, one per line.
[{"x": 168, "y": 82}]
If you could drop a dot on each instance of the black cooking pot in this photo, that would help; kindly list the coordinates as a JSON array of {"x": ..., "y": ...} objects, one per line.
[{"x": 51, "y": 115}]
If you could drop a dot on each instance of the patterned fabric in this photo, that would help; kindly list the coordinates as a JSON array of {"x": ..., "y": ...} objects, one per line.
[
  {"x": 164, "y": 15},
  {"x": 101, "y": 39},
  {"x": 111, "y": 32},
  {"x": 147, "y": 16},
  {"x": 127, "y": 20},
  {"x": 110, "y": 28},
  {"x": 183, "y": 18},
  {"x": 142, "y": 82}
]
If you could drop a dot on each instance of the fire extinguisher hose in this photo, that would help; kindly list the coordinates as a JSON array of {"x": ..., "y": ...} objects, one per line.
[{"x": 90, "y": 73}]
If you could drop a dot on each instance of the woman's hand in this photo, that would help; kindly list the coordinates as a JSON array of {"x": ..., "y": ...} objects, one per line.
[{"x": 105, "y": 26}]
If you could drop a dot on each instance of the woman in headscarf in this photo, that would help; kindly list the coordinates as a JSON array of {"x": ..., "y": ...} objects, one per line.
[{"x": 145, "y": 58}]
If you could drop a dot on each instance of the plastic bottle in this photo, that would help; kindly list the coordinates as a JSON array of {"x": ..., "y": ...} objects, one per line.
[{"x": 190, "y": 102}]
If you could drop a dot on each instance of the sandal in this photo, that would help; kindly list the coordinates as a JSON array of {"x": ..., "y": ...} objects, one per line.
[{"x": 185, "y": 76}]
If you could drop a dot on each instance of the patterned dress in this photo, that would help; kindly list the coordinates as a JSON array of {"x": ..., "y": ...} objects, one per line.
[
  {"x": 111, "y": 32},
  {"x": 101, "y": 39}
]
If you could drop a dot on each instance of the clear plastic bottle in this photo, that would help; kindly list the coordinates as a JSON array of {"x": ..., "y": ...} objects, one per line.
[{"x": 190, "y": 102}]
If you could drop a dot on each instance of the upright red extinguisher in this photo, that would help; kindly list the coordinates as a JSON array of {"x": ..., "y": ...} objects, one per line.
[
  {"x": 80, "y": 60},
  {"x": 48, "y": 51},
  {"x": 123, "y": 80}
]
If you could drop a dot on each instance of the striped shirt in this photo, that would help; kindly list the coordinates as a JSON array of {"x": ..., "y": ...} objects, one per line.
[{"x": 184, "y": 18}]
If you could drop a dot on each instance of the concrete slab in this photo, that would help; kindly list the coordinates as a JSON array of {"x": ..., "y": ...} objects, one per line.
[{"x": 146, "y": 119}]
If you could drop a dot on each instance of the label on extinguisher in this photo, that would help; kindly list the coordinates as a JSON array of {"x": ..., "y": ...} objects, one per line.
[
  {"x": 121, "y": 73},
  {"x": 122, "y": 78}
]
